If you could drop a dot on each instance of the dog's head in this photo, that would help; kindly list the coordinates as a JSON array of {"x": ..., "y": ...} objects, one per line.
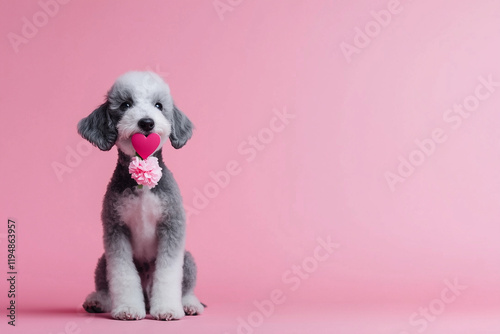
[{"x": 138, "y": 102}]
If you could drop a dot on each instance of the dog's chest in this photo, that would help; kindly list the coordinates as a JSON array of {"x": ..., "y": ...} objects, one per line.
[{"x": 141, "y": 214}]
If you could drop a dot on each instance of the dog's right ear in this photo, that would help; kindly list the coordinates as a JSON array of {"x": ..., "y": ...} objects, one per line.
[{"x": 98, "y": 128}]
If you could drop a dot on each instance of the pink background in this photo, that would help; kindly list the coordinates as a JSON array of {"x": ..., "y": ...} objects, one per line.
[{"x": 322, "y": 175}]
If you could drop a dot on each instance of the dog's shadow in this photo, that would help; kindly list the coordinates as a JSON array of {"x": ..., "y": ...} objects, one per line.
[
  {"x": 61, "y": 312},
  {"x": 67, "y": 312}
]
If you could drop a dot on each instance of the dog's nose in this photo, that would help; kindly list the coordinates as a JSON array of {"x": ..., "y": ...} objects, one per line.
[{"x": 146, "y": 124}]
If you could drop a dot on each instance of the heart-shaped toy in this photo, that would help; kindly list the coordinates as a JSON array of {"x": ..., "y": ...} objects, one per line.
[{"x": 145, "y": 146}]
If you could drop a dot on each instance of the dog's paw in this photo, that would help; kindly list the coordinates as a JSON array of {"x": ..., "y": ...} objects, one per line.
[
  {"x": 93, "y": 306},
  {"x": 192, "y": 305},
  {"x": 128, "y": 313},
  {"x": 167, "y": 312},
  {"x": 97, "y": 302}
]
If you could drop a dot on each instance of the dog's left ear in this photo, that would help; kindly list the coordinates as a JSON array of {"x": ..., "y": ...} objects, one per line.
[
  {"x": 182, "y": 129},
  {"x": 99, "y": 129}
]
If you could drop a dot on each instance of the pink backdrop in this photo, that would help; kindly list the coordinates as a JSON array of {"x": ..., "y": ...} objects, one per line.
[{"x": 372, "y": 124}]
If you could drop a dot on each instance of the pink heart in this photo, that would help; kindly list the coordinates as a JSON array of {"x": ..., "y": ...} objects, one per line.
[{"x": 145, "y": 146}]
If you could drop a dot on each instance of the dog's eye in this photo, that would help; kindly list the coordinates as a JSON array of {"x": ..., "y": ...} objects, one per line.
[
  {"x": 159, "y": 106},
  {"x": 125, "y": 105}
]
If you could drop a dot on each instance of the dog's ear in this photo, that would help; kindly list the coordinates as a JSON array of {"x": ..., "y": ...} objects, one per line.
[
  {"x": 182, "y": 129},
  {"x": 98, "y": 128}
]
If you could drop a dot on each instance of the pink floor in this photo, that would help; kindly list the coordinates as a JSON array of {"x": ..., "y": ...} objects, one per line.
[{"x": 227, "y": 319}]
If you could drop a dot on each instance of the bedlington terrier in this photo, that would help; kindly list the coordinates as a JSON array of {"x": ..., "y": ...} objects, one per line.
[{"x": 144, "y": 266}]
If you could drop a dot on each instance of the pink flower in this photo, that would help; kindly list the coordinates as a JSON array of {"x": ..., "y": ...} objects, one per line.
[{"x": 145, "y": 172}]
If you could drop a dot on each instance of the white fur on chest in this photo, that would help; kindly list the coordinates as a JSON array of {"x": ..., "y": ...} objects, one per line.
[{"x": 141, "y": 214}]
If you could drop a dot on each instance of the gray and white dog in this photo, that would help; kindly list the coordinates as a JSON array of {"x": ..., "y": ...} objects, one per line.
[{"x": 144, "y": 266}]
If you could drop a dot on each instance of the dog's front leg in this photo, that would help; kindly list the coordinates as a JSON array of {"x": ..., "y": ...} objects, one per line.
[
  {"x": 166, "y": 294},
  {"x": 125, "y": 287}
]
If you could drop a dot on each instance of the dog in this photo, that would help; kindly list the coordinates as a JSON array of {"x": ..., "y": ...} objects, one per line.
[{"x": 144, "y": 266}]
